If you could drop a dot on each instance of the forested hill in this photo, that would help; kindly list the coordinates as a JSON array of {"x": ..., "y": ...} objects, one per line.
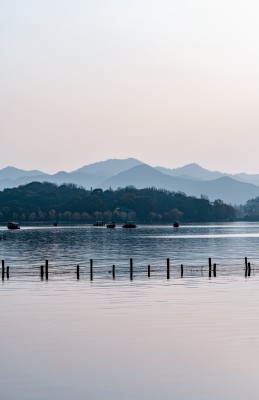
[{"x": 46, "y": 202}]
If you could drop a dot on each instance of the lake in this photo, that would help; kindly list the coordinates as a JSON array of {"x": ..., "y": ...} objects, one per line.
[{"x": 189, "y": 338}]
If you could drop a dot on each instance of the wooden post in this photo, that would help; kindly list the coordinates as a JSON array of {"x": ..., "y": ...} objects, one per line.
[
  {"x": 148, "y": 271},
  {"x": 91, "y": 269},
  {"x": 181, "y": 270},
  {"x": 214, "y": 270},
  {"x": 47, "y": 269},
  {"x": 3, "y": 269},
  {"x": 41, "y": 272},
  {"x": 7, "y": 272},
  {"x": 246, "y": 266},
  {"x": 77, "y": 271},
  {"x": 131, "y": 269},
  {"x": 168, "y": 268},
  {"x": 249, "y": 269},
  {"x": 210, "y": 266},
  {"x": 113, "y": 271}
]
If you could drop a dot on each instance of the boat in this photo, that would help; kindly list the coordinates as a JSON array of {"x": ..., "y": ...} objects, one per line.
[
  {"x": 111, "y": 225},
  {"x": 129, "y": 225},
  {"x": 176, "y": 224},
  {"x": 13, "y": 225},
  {"x": 99, "y": 223}
]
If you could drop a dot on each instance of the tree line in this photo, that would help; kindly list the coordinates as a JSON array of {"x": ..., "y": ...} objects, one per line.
[
  {"x": 250, "y": 211},
  {"x": 45, "y": 201}
]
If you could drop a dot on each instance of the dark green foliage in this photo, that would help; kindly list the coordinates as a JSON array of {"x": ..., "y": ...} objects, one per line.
[
  {"x": 46, "y": 202},
  {"x": 251, "y": 209}
]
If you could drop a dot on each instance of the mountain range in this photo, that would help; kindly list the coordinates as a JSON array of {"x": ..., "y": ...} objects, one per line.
[{"x": 191, "y": 179}]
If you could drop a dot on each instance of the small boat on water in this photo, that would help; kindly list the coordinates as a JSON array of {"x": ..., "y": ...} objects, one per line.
[
  {"x": 99, "y": 223},
  {"x": 13, "y": 225},
  {"x": 129, "y": 225},
  {"x": 176, "y": 224},
  {"x": 111, "y": 225}
]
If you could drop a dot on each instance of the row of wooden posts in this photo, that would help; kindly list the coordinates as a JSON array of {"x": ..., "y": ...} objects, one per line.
[{"x": 212, "y": 269}]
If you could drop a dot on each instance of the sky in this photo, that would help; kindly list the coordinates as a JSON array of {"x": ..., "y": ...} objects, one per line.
[{"x": 166, "y": 81}]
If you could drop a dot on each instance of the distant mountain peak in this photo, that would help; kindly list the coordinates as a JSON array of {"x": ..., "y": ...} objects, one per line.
[
  {"x": 9, "y": 168},
  {"x": 109, "y": 167},
  {"x": 15, "y": 173},
  {"x": 192, "y": 171},
  {"x": 140, "y": 168}
]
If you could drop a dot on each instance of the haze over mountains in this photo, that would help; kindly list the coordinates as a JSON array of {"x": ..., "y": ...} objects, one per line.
[{"x": 191, "y": 179}]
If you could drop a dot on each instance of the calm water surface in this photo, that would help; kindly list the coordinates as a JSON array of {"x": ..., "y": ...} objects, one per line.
[
  {"x": 191, "y": 245},
  {"x": 193, "y": 338}
]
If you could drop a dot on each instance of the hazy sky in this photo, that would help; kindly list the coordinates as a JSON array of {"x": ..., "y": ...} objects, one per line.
[{"x": 166, "y": 81}]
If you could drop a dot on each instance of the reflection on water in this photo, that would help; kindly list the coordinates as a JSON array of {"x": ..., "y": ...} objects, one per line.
[
  {"x": 183, "y": 339},
  {"x": 191, "y": 245}
]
